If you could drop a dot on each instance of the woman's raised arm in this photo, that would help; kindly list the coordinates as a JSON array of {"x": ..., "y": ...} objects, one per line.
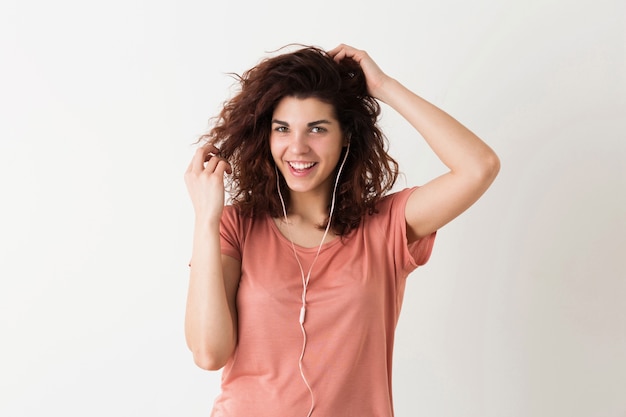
[{"x": 472, "y": 164}]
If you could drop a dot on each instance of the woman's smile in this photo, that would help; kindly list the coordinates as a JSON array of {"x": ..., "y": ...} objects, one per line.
[{"x": 301, "y": 168}]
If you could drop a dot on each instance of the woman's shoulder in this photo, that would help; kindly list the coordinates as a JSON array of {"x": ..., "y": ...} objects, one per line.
[
  {"x": 230, "y": 212},
  {"x": 389, "y": 211},
  {"x": 396, "y": 199},
  {"x": 234, "y": 218}
]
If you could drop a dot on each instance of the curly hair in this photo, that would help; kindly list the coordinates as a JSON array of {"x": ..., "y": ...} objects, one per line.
[{"x": 243, "y": 127}]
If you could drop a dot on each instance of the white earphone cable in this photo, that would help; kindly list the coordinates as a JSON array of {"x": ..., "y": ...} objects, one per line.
[{"x": 305, "y": 281}]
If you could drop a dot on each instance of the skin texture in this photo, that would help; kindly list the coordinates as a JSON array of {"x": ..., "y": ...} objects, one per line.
[{"x": 211, "y": 315}]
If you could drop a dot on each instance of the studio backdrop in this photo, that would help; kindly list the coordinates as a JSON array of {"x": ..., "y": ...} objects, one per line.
[{"x": 520, "y": 310}]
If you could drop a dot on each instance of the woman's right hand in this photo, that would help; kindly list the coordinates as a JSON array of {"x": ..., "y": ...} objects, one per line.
[{"x": 205, "y": 183}]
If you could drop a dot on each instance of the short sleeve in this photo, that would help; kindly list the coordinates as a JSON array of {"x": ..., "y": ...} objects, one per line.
[
  {"x": 422, "y": 248},
  {"x": 231, "y": 236},
  {"x": 393, "y": 219}
]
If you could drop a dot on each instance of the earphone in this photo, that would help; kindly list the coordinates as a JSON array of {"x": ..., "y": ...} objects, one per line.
[{"x": 305, "y": 281}]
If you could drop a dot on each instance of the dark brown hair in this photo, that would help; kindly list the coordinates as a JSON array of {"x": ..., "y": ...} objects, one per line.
[{"x": 242, "y": 131}]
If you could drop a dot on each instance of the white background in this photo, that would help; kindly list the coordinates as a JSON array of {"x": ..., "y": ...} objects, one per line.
[{"x": 520, "y": 311}]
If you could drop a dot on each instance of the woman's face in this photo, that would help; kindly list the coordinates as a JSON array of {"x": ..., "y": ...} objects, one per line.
[{"x": 306, "y": 142}]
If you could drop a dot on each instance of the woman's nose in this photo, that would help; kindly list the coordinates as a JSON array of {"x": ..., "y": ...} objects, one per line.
[{"x": 299, "y": 143}]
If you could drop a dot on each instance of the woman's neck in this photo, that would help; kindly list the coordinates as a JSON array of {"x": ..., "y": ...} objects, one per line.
[
  {"x": 308, "y": 208},
  {"x": 305, "y": 215}
]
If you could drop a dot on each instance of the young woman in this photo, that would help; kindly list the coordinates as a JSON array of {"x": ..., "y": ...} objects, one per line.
[{"x": 296, "y": 287}]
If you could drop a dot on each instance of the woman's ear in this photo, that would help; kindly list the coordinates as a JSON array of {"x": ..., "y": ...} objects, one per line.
[{"x": 346, "y": 139}]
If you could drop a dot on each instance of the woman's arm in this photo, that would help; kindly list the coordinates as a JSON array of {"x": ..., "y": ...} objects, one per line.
[
  {"x": 472, "y": 164},
  {"x": 211, "y": 314}
]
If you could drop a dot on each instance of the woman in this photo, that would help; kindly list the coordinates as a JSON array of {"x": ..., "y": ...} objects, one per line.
[{"x": 296, "y": 288}]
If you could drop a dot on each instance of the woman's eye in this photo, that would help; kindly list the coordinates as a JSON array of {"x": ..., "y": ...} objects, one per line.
[
  {"x": 317, "y": 129},
  {"x": 280, "y": 129}
]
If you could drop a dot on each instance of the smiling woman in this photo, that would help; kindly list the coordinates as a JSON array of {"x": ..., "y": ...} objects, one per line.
[
  {"x": 306, "y": 143},
  {"x": 296, "y": 287}
]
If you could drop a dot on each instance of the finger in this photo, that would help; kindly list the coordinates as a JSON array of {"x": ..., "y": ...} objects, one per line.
[
  {"x": 210, "y": 163},
  {"x": 200, "y": 157},
  {"x": 344, "y": 51},
  {"x": 340, "y": 47},
  {"x": 335, "y": 50},
  {"x": 217, "y": 166},
  {"x": 216, "y": 163},
  {"x": 338, "y": 53},
  {"x": 212, "y": 150},
  {"x": 222, "y": 167}
]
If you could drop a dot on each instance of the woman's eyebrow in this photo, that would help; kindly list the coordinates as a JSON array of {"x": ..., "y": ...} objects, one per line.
[
  {"x": 310, "y": 124},
  {"x": 319, "y": 122}
]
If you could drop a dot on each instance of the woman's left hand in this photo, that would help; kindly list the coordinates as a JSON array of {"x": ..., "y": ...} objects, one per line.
[{"x": 374, "y": 76}]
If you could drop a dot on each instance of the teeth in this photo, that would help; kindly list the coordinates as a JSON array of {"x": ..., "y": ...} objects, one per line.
[{"x": 301, "y": 165}]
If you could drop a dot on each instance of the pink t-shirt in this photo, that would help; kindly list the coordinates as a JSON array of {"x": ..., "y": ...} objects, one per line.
[{"x": 353, "y": 302}]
